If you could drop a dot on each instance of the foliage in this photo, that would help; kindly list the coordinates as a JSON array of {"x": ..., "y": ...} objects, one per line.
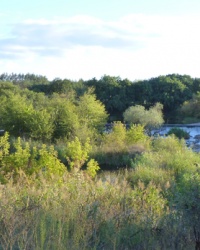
[
  {"x": 77, "y": 153},
  {"x": 20, "y": 118},
  {"x": 92, "y": 168},
  {"x": 92, "y": 116},
  {"x": 135, "y": 115},
  {"x": 174, "y": 168},
  {"x": 119, "y": 146},
  {"x": 33, "y": 115},
  {"x": 115, "y": 93},
  {"x": 187, "y": 199},
  {"x": 135, "y": 134},
  {"x": 24, "y": 80},
  {"x": 28, "y": 101},
  {"x": 115, "y": 140},
  {"x": 43, "y": 205},
  {"x": 31, "y": 161},
  {"x": 148, "y": 118},
  {"x": 170, "y": 90},
  {"x": 64, "y": 116},
  {"x": 4, "y": 146},
  {"x": 147, "y": 174},
  {"x": 190, "y": 109},
  {"x": 180, "y": 133},
  {"x": 40, "y": 214},
  {"x": 48, "y": 216},
  {"x": 61, "y": 86},
  {"x": 120, "y": 138},
  {"x": 40, "y": 124},
  {"x": 153, "y": 205},
  {"x": 166, "y": 163}
]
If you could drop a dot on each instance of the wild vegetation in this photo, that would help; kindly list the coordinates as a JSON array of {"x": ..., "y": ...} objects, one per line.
[
  {"x": 178, "y": 132},
  {"x": 70, "y": 182}
]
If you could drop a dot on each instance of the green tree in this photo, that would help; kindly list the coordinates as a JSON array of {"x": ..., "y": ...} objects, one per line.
[
  {"x": 20, "y": 118},
  {"x": 91, "y": 111},
  {"x": 170, "y": 91},
  {"x": 64, "y": 87},
  {"x": 148, "y": 118},
  {"x": 15, "y": 113},
  {"x": 136, "y": 134},
  {"x": 116, "y": 94},
  {"x": 179, "y": 133},
  {"x": 144, "y": 88},
  {"x": 92, "y": 168},
  {"x": 190, "y": 110},
  {"x": 40, "y": 124},
  {"x": 24, "y": 80},
  {"x": 4, "y": 146},
  {"x": 92, "y": 116},
  {"x": 64, "y": 116},
  {"x": 115, "y": 140},
  {"x": 77, "y": 153},
  {"x": 29, "y": 160}
]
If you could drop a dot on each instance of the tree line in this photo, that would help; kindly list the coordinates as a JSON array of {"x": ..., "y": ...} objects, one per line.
[{"x": 118, "y": 94}]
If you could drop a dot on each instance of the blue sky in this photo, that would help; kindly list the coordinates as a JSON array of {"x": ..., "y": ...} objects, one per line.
[{"x": 84, "y": 39}]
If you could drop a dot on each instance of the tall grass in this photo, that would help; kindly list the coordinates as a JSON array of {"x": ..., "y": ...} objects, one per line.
[
  {"x": 146, "y": 207},
  {"x": 80, "y": 213}
]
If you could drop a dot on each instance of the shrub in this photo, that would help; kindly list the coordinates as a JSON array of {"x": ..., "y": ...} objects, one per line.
[
  {"x": 77, "y": 153},
  {"x": 31, "y": 161},
  {"x": 179, "y": 133},
  {"x": 119, "y": 147},
  {"x": 151, "y": 118},
  {"x": 168, "y": 161},
  {"x": 92, "y": 168},
  {"x": 147, "y": 174}
]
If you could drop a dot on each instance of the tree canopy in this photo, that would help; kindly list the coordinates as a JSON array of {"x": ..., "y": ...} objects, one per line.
[{"x": 150, "y": 118}]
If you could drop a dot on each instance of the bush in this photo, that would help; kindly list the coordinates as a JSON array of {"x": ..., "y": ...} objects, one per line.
[
  {"x": 119, "y": 147},
  {"x": 151, "y": 118},
  {"x": 168, "y": 160},
  {"x": 147, "y": 175},
  {"x": 179, "y": 133}
]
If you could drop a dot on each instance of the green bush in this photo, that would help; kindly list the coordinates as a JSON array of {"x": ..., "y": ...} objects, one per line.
[
  {"x": 119, "y": 147},
  {"x": 151, "y": 118},
  {"x": 167, "y": 162},
  {"x": 147, "y": 174},
  {"x": 178, "y": 132}
]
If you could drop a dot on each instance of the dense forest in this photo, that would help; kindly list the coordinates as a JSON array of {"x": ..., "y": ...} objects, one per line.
[
  {"x": 79, "y": 168},
  {"x": 115, "y": 93}
]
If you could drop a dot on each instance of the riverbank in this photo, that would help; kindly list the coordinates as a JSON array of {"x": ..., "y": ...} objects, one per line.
[{"x": 192, "y": 129}]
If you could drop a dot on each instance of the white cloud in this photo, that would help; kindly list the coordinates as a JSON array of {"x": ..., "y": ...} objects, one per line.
[
  {"x": 135, "y": 46},
  {"x": 60, "y": 34}
]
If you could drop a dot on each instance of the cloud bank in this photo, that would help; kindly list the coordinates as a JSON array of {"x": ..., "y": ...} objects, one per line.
[
  {"x": 136, "y": 43},
  {"x": 52, "y": 37}
]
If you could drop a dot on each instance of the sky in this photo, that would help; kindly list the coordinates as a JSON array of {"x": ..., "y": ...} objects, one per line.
[{"x": 85, "y": 39}]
